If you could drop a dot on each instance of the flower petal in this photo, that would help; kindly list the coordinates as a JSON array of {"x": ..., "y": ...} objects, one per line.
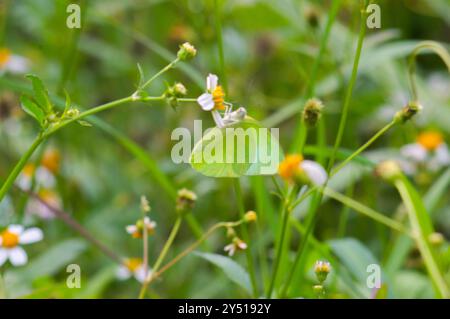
[
  {"x": 3, "y": 256},
  {"x": 414, "y": 151},
  {"x": 45, "y": 178},
  {"x": 17, "y": 256},
  {"x": 123, "y": 273},
  {"x": 211, "y": 82},
  {"x": 131, "y": 229},
  {"x": 17, "y": 64},
  {"x": 316, "y": 173},
  {"x": 442, "y": 155},
  {"x": 206, "y": 101},
  {"x": 16, "y": 229},
  {"x": 31, "y": 235},
  {"x": 140, "y": 274}
]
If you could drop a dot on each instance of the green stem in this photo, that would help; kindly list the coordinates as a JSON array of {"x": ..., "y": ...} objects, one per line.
[
  {"x": 312, "y": 79},
  {"x": 312, "y": 213},
  {"x": 282, "y": 234},
  {"x": 163, "y": 70},
  {"x": 19, "y": 166},
  {"x": 245, "y": 236},
  {"x": 162, "y": 255},
  {"x": 431, "y": 45},
  {"x": 220, "y": 44}
]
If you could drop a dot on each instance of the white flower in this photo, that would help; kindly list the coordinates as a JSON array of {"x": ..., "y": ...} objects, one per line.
[
  {"x": 237, "y": 244},
  {"x": 316, "y": 173},
  {"x": 36, "y": 207},
  {"x": 137, "y": 230},
  {"x": 12, "y": 63},
  {"x": 43, "y": 177},
  {"x": 132, "y": 267},
  {"x": 295, "y": 169},
  {"x": 213, "y": 100},
  {"x": 11, "y": 238},
  {"x": 429, "y": 151}
]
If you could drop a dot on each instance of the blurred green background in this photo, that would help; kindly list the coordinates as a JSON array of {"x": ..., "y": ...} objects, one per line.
[{"x": 269, "y": 48}]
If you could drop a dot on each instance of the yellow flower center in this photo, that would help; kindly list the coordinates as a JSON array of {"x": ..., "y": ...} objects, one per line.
[
  {"x": 28, "y": 170},
  {"x": 47, "y": 195},
  {"x": 133, "y": 264},
  {"x": 9, "y": 239},
  {"x": 51, "y": 160},
  {"x": 218, "y": 98},
  {"x": 290, "y": 166},
  {"x": 430, "y": 140},
  {"x": 5, "y": 55}
]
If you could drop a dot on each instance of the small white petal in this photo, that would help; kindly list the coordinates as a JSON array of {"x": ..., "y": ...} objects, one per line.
[
  {"x": 17, "y": 256},
  {"x": 414, "y": 151},
  {"x": 16, "y": 229},
  {"x": 123, "y": 273},
  {"x": 206, "y": 101},
  {"x": 17, "y": 64},
  {"x": 140, "y": 274},
  {"x": 131, "y": 229},
  {"x": 407, "y": 167},
  {"x": 316, "y": 173},
  {"x": 242, "y": 245},
  {"x": 31, "y": 235},
  {"x": 211, "y": 82},
  {"x": 231, "y": 248},
  {"x": 442, "y": 155},
  {"x": 24, "y": 182},
  {"x": 45, "y": 178},
  {"x": 3, "y": 256}
]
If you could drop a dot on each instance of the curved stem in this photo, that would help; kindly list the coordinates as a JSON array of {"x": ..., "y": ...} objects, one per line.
[
  {"x": 163, "y": 70},
  {"x": 431, "y": 45}
]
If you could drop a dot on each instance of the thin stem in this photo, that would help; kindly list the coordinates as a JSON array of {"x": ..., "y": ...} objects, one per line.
[
  {"x": 72, "y": 223},
  {"x": 220, "y": 43},
  {"x": 312, "y": 79},
  {"x": 162, "y": 255},
  {"x": 163, "y": 70},
  {"x": 285, "y": 214},
  {"x": 188, "y": 250},
  {"x": 431, "y": 45},
  {"x": 245, "y": 235},
  {"x": 145, "y": 249},
  {"x": 19, "y": 166},
  {"x": 312, "y": 213}
]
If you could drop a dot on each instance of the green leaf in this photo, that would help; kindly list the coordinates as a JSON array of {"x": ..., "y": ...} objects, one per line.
[
  {"x": 141, "y": 78},
  {"x": 232, "y": 269},
  {"x": 40, "y": 93},
  {"x": 422, "y": 227},
  {"x": 32, "y": 109},
  {"x": 68, "y": 102},
  {"x": 244, "y": 148},
  {"x": 84, "y": 123}
]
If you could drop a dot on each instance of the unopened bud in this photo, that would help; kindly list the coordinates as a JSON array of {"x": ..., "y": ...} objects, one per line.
[
  {"x": 250, "y": 216},
  {"x": 312, "y": 111},
  {"x": 407, "y": 112},
  {"x": 388, "y": 170},
  {"x": 322, "y": 269},
  {"x": 185, "y": 200},
  {"x": 186, "y": 52}
]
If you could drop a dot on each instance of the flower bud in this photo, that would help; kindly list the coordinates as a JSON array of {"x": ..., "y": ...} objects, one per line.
[
  {"x": 186, "y": 52},
  {"x": 185, "y": 200},
  {"x": 322, "y": 269},
  {"x": 250, "y": 216},
  {"x": 388, "y": 170},
  {"x": 436, "y": 239},
  {"x": 407, "y": 112},
  {"x": 312, "y": 111},
  {"x": 145, "y": 206},
  {"x": 72, "y": 112}
]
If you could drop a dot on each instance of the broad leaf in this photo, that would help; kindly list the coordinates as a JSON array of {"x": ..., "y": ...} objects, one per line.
[
  {"x": 32, "y": 109},
  {"x": 244, "y": 148},
  {"x": 40, "y": 93},
  {"x": 232, "y": 269}
]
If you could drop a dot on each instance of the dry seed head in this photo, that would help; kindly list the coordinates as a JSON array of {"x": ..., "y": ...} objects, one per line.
[
  {"x": 145, "y": 206},
  {"x": 407, "y": 112}
]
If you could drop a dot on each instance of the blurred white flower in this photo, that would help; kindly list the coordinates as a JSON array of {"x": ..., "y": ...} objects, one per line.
[
  {"x": 12, "y": 63},
  {"x": 132, "y": 267},
  {"x": 11, "y": 238},
  {"x": 137, "y": 230},
  {"x": 295, "y": 169},
  {"x": 36, "y": 207},
  {"x": 43, "y": 177},
  {"x": 430, "y": 151},
  {"x": 236, "y": 244}
]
